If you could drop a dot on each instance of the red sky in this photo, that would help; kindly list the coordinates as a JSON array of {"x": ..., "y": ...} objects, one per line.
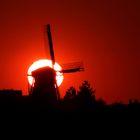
[{"x": 104, "y": 34}]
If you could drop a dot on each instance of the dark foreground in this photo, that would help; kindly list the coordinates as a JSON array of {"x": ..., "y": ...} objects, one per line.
[
  {"x": 26, "y": 114},
  {"x": 34, "y": 109}
]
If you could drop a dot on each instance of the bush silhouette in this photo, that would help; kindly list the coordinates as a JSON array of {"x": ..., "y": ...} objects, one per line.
[
  {"x": 86, "y": 93},
  {"x": 70, "y": 93}
]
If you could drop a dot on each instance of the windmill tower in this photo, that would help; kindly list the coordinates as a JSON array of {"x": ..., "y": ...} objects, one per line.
[{"x": 45, "y": 78}]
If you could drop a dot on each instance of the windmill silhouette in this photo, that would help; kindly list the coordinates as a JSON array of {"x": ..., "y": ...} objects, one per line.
[{"x": 45, "y": 78}]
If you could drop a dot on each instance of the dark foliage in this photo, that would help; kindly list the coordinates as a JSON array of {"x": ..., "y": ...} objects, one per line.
[{"x": 78, "y": 105}]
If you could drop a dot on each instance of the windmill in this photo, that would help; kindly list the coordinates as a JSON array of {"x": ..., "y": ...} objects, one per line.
[{"x": 45, "y": 78}]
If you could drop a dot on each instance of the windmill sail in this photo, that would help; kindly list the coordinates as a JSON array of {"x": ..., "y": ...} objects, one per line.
[
  {"x": 48, "y": 30},
  {"x": 72, "y": 67}
]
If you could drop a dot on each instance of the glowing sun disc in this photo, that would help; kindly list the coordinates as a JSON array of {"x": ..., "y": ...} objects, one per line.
[{"x": 43, "y": 63}]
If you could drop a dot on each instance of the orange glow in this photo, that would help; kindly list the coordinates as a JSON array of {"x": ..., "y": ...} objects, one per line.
[{"x": 43, "y": 63}]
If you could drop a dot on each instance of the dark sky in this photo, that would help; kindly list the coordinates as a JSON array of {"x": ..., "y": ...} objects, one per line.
[{"x": 104, "y": 34}]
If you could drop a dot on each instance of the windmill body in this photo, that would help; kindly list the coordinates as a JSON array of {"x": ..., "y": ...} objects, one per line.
[{"x": 44, "y": 83}]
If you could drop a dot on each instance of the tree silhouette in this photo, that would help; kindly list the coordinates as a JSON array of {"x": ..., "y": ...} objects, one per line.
[
  {"x": 70, "y": 93},
  {"x": 86, "y": 95},
  {"x": 101, "y": 102},
  {"x": 86, "y": 91},
  {"x": 70, "y": 99}
]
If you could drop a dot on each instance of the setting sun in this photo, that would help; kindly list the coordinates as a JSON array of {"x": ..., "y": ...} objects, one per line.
[{"x": 43, "y": 63}]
